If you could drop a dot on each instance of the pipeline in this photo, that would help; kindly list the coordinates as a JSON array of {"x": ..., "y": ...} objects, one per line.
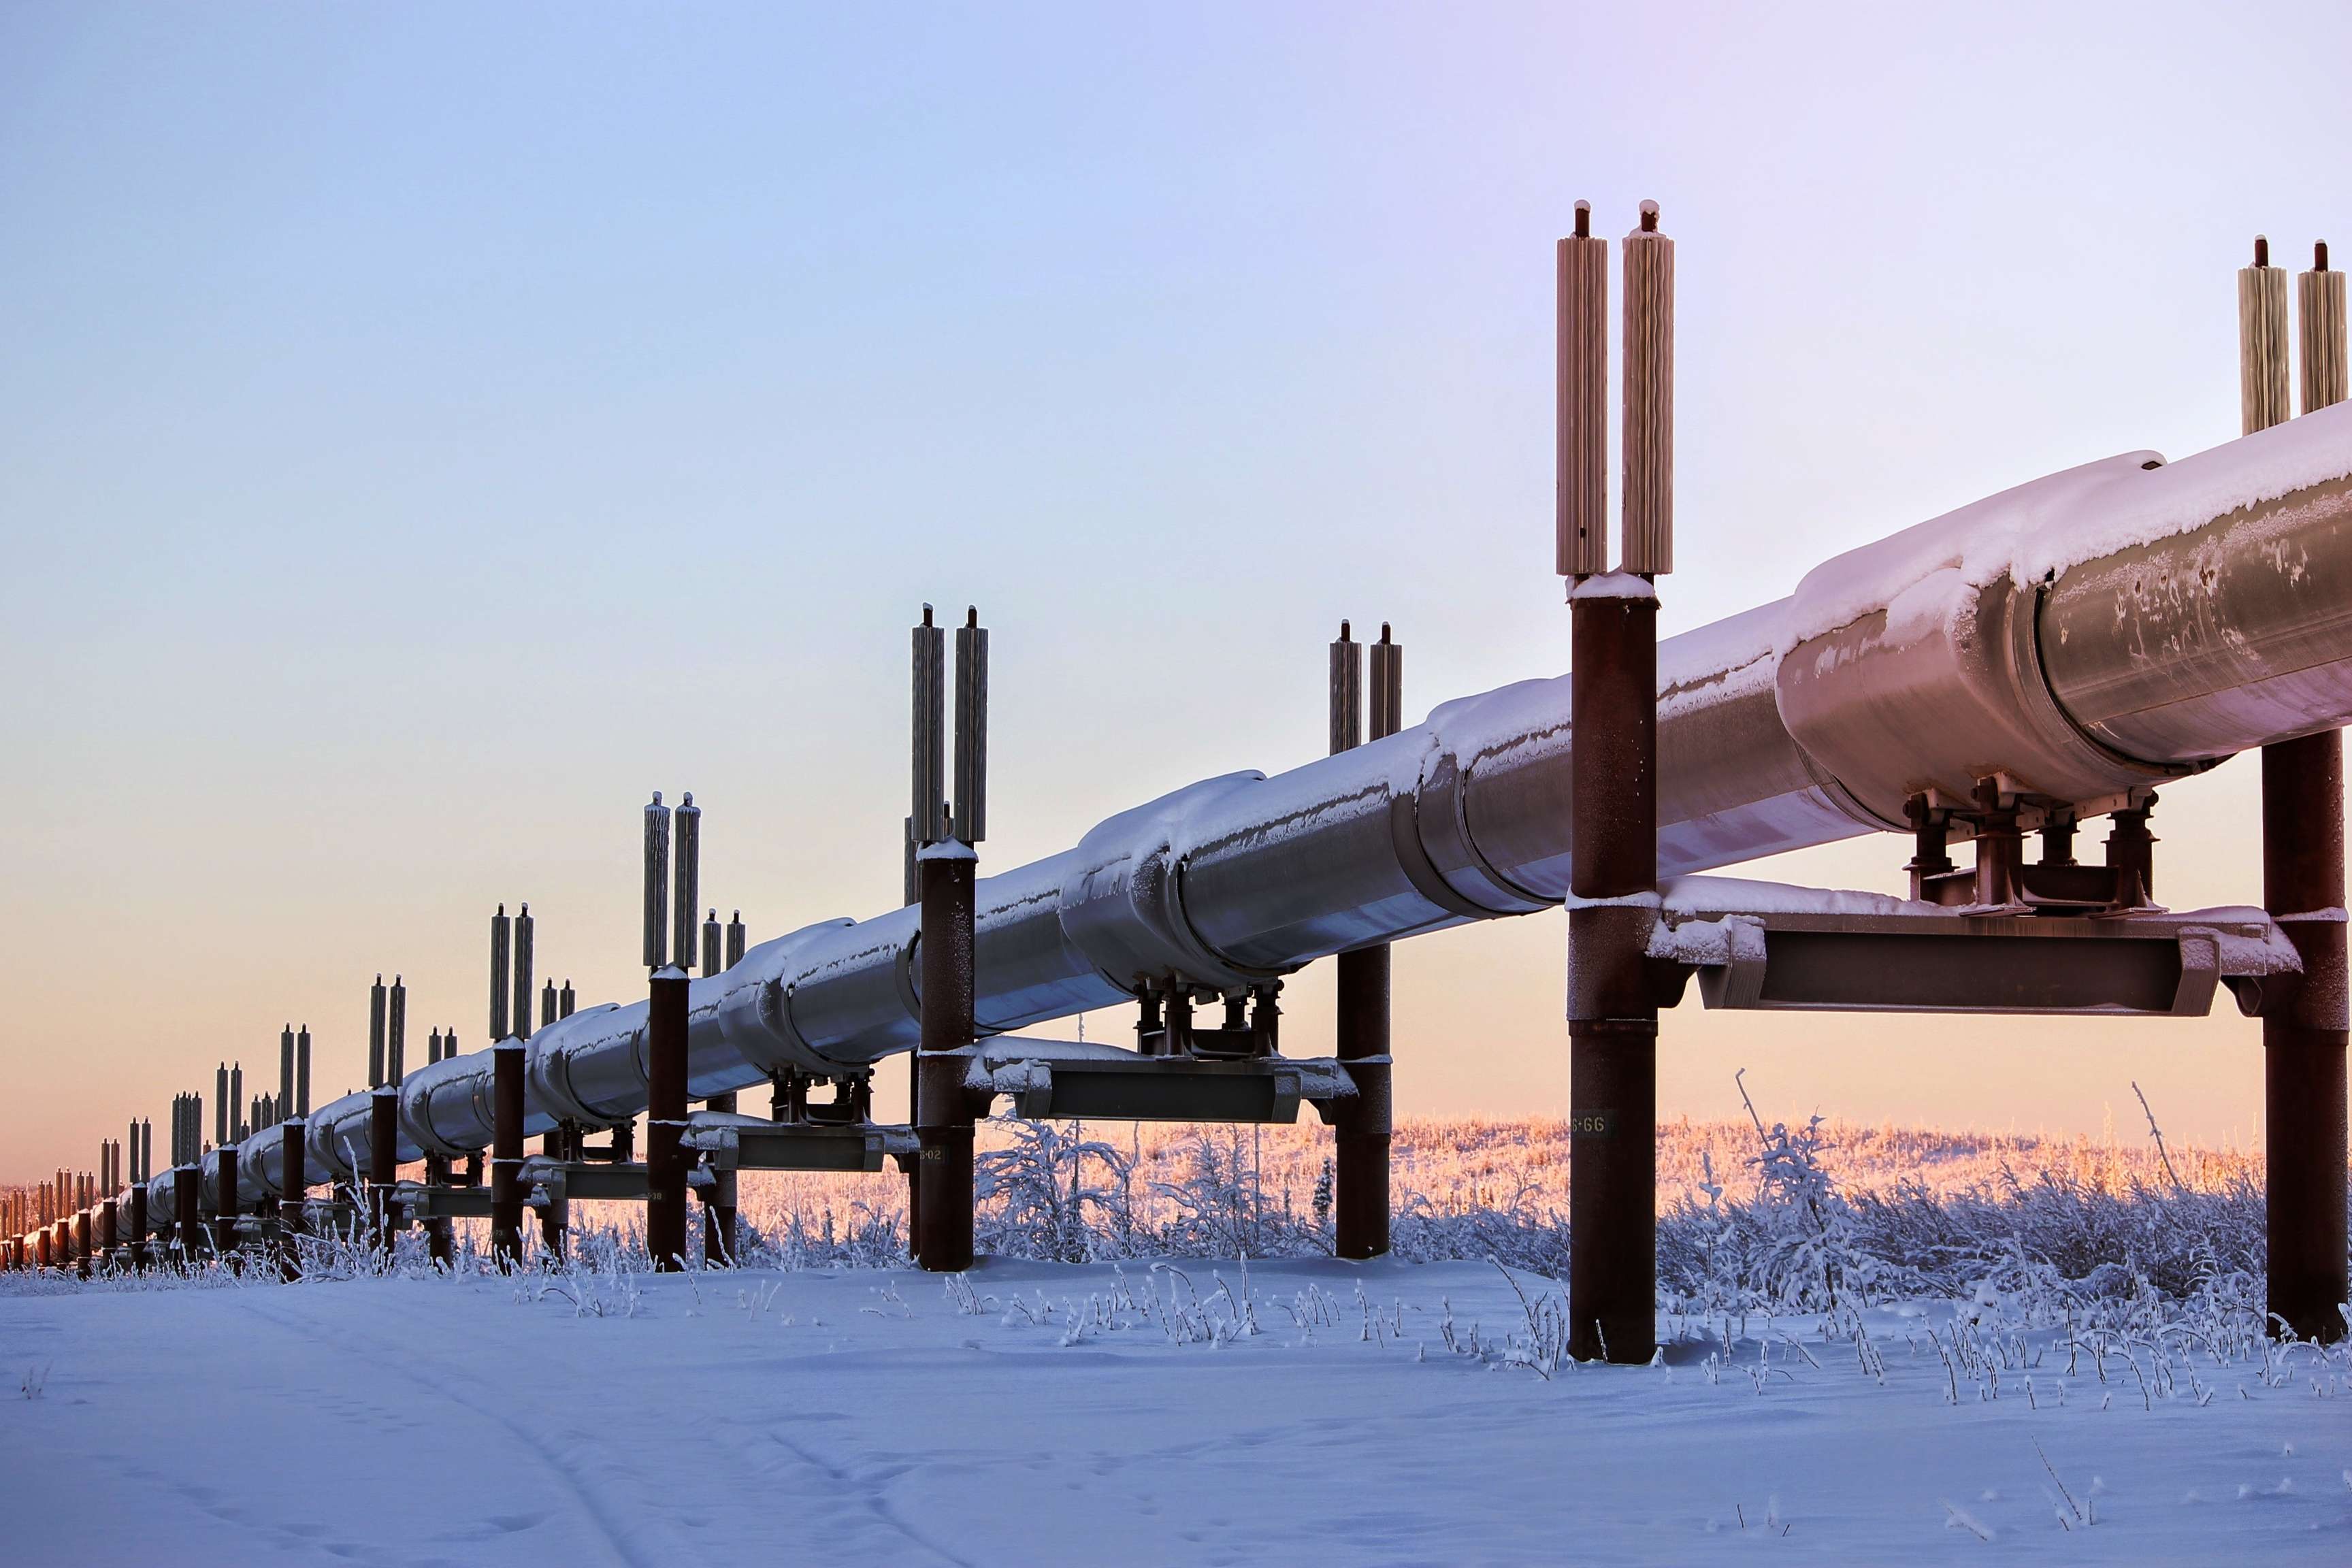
[{"x": 2085, "y": 636}]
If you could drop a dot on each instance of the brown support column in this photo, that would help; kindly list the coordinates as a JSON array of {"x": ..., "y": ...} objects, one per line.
[
  {"x": 2303, "y": 873},
  {"x": 1613, "y": 1015},
  {"x": 505, "y": 1153},
  {"x": 666, "y": 1163},
  {"x": 719, "y": 1199},
  {"x": 1361, "y": 1124},
  {"x": 440, "y": 1231},
  {"x": 225, "y": 1200},
  {"x": 294, "y": 1186},
  {"x": 81, "y": 1243},
  {"x": 1612, "y": 1024},
  {"x": 187, "y": 1183},
  {"x": 2303, "y": 1035},
  {"x": 946, "y": 873},
  {"x": 138, "y": 1238},
  {"x": 384, "y": 1162}
]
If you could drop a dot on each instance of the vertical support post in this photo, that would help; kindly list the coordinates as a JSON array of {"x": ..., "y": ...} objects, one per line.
[
  {"x": 1611, "y": 1010},
  {"x": 2304, "y": 1033},
  {"x": 302, "y": 1074},
  {"x": 294, "y": 1185},
  {"x": 136, "y": 1239},
  {"x": 1361, "y": 1124},
  {"x": 187, "y": 1182},
  {"x": 735, "y": 939},
  {"x": 943, "y": 1122},
  {"x": 225, "y": 1180},
  {"x": 505, "y": 1152},
  {"x": 927, "y": 823},
  {"x": 666, "y": 1162},
  {"x": 946, "y": 874},
  {"x": 719, "y": 1199},
  {"x": 384, "y": 1161},
  {"x": 286, "y": 1071},
  {"x": 440, "y": 1230},
  {"x": 108, "y": 1239},
  {"x": 710, "y": 940}
]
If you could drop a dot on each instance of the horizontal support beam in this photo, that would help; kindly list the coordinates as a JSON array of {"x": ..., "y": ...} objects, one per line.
[
  {"x": 1106, "y": 1084},
  {"x": 748, "y": 1144},
  {"x": 2151, "y": 965}
]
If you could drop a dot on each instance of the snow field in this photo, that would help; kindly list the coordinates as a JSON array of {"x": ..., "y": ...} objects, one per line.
[{"x": 1135, "y": 1412}]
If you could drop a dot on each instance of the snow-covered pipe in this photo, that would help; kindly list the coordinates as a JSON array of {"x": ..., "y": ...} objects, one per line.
[{"x": 2087, "y": 633}]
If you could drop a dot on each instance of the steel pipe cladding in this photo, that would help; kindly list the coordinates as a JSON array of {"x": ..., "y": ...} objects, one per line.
[{"x": 2084, "y": 634}]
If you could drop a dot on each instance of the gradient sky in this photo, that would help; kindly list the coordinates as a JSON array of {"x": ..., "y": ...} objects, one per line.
[{"x": 425, "y": 430}]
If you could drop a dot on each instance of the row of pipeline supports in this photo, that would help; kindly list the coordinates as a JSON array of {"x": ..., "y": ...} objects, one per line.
[{"x": 2003, "y": 935}]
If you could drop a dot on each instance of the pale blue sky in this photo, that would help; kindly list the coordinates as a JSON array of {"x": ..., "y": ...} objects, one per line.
[{"x": 424, "y": 431}]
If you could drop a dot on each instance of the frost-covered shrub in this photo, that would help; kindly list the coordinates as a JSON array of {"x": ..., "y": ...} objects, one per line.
[{"x": 1036, "y": 1197}]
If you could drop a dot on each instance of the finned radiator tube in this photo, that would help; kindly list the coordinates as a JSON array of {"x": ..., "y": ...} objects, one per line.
[
  {"x": 1581, "y": 406},
  {"x": 1648, "y": 436},
  {"x": 656, "y": 947},
  {"x": 2263, "y": 343},
  {"x": 2320, "y": 311}
]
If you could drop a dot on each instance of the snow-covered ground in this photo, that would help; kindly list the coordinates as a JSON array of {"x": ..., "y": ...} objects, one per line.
[{"x": 1093, "y": 1413}]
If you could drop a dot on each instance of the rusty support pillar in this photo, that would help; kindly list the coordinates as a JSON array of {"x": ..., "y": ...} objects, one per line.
[
  {"x": 225, "y": 1201},
  {"x": 81, "y": 1241},
  {"x": 186, "y": 1181},
  {"x": 943, "y": 1170},
  {"x": 1362, "y": 1123},
  {"x": 384, "y": 1162},
  {"x": 1612, "y": 1012},
  {"x": 2303, "y": 879},
  {"x": 1612, "y": 1024},
  {"x": 440, "y": 1230},
  {"x": 666, "y": 1159},
  {"x": 137, "y": 1240},
  {"x": 294, "y": 1185},
  {"x": 719, "y": 1199},
  {"x": 505, "y": 1153},
  {"x": 2304, "y": 1035}
]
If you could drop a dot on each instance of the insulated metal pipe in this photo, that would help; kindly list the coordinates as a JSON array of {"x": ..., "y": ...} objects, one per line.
[{"x": 2094, "y": 687}]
